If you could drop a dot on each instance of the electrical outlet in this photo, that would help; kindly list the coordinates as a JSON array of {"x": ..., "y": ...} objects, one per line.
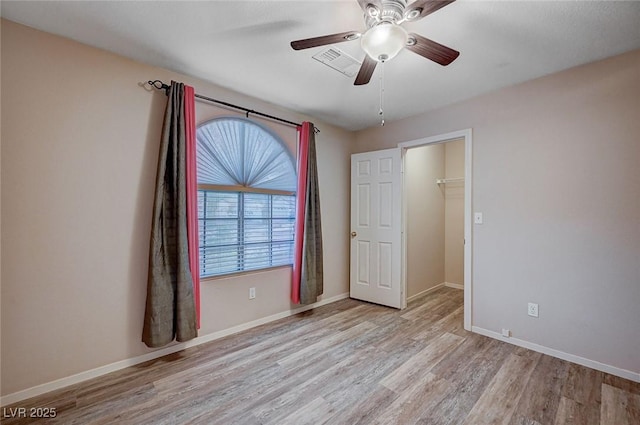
[
  {"x": 532, "y": 310},
  {"x": 506, "y": 332},
  {"x": 252, "y": 293}
]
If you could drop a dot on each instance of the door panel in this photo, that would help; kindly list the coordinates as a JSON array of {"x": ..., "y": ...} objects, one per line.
[
  {"x": 364, "y": 199},
  {"x": 376, "y": 210}
]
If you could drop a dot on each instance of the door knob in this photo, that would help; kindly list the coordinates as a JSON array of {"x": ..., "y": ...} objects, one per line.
[{"x": 354, "y": 234}]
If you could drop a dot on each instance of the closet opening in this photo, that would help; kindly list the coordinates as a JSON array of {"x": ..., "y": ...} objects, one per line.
[{"x": 437, "y": 216}]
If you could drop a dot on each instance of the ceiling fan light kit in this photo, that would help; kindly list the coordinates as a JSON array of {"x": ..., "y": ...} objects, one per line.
[
  {"x": 385, "y": 37},
  {"x": 384, "y": 41}
]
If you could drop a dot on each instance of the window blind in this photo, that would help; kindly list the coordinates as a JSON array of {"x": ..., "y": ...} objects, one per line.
[{"x": 241, "y": 231}]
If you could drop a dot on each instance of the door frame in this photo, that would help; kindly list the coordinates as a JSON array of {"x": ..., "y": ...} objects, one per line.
[{"x": 468, "y": 215}]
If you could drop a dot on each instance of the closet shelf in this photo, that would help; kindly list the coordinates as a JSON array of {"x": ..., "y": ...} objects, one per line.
[{"x": 452, "y": 180}]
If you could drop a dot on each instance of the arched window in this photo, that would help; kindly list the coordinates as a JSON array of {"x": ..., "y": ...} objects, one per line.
[{"x": 246, "y": 197}]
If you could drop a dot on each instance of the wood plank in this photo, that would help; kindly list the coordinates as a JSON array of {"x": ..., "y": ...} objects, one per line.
[
  {"x": 326, "y": 381},
  {"x": 464, "y": 354},
  {"x": 469, "y": 381},
  {"x": 570, "y": 412},
  {"x": 239, "y": 404},
  {"x": 541, "y": 397},
  {"x": 366, "y": 409},
  {"x": 419, "y": 365},
  {"x": 133, "y": 397},
  {"x": 381, "y": 361},
  {"x": 316, "y": 412},
  {"x": 416, "y": 397},
  {"x": 451, "y": 322},
  {"x": 369, "y": 346},
  {"x": 344, "y": 383},
  {"x": 256, "y": 385},
  {"x": 226, "y": 367},
  {"x": 419, "y": 311},
  {"x": 583, "y": 385},
  {"x": 619, "y": 407},
  {"x": 521, "y": 420},
  {"x": 623, "y": 384},
  {"x": 326, "y": 343},
  {"x": 582, "y": 391},
  {"x": 498, "y": 401}
]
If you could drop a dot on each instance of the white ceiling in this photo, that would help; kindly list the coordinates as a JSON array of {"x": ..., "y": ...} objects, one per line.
[{"x": 244, "y": 46}]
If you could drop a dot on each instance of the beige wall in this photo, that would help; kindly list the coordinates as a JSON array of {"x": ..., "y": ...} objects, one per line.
[
  {"x": 425, "y": 218},
  {"x": 454, "y": 213},
  {"x": 79, "y": 151},
  {"x": 555, "y": 172}
]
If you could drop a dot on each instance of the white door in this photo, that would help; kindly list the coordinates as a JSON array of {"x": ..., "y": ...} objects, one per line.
[{"x": 376, "y": 238}]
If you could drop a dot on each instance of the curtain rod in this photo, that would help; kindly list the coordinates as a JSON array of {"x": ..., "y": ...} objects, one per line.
[{"x": 162, "y": 86}]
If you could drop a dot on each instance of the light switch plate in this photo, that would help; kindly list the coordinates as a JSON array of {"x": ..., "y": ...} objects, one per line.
[{"x": 477, "y": 218}]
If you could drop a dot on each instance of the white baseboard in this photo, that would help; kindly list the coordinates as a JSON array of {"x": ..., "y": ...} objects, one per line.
[
  {"x": 454, "y": 285},
  {"x": 623, "y": 373},
  {"x": 103, "y": 370},
  {"x": 426, "y": 291}
]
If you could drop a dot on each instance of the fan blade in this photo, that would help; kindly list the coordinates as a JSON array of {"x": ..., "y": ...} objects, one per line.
[
  {"x": 324, "y": 40},
  {"x": 432, "y": 50},
  {"x": 366, "y": 71},
  {"x": 364, "y": 4},
  {"x": 421, "y": 8}
]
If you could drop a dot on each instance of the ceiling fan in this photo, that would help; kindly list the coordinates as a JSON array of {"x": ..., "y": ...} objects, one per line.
[{"x": 385, "y": 37}]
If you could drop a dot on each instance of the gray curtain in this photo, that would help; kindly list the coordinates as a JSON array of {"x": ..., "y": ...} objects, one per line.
[
  {"x": 311, "y": 281},
  {"x": 170, "y": 308}
]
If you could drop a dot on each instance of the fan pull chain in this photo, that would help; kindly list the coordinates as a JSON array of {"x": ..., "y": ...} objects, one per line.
[{"x": 381, "y": 112}]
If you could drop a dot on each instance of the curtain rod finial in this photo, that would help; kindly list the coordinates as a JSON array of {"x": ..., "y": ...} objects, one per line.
[{"x": 160, "y": 85}]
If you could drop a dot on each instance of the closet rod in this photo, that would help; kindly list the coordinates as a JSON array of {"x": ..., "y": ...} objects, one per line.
[{"x": 162, "y": 86}]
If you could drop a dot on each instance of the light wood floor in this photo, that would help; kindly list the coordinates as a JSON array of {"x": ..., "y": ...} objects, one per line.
[{"x": 352, "y": 363}]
